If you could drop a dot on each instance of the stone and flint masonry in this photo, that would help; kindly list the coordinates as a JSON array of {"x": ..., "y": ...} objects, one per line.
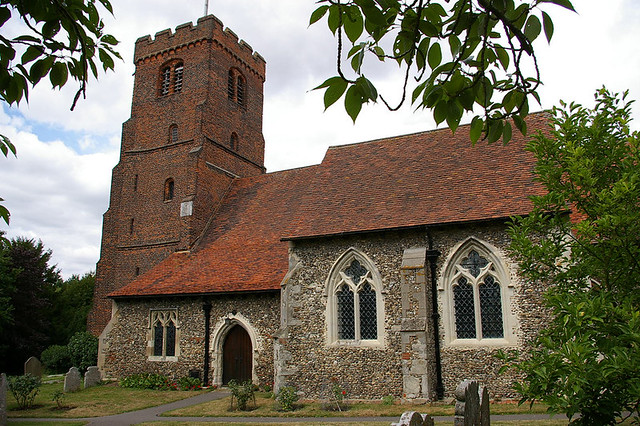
[{"x": 382, "y": 270}]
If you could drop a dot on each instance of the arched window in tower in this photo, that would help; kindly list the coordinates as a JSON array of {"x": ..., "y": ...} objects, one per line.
[
  {"x": 168, "y": 189},
  {"x": 231, "y": 85},
  {"x": 177, "y": 77},
  {"x": 237, "y": 87},
  {"x": 171, "y": 78},
  {"x": 165, "y": 82},
  {"x": 240, "y": 91},
  {"x": 234, "y": 141},
  {"x": 173, "y": 133}
]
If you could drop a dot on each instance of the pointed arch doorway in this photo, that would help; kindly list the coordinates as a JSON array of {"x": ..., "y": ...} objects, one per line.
[{"x": 237, "y": 356}]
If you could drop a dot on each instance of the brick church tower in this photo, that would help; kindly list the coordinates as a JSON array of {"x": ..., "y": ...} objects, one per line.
[{"x": 196, "y": 124}]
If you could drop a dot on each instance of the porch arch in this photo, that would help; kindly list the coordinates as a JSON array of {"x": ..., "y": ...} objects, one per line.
[{"x": 222, "y": 328}]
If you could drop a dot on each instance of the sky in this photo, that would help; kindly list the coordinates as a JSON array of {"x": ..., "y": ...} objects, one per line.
[{"x": 57, "y": 188}]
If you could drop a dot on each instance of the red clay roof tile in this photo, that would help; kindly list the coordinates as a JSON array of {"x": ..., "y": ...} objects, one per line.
[{"x": 419, "y": 179}]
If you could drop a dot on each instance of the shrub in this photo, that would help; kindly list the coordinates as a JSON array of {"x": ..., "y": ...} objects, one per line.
[
  {"x": 242, "y": 393},
  {"x": 24, "y": 389},
  {"x": 56, "y": 358},
  {"x": 337, "y": 396},
  {"x": 83, "y": 350},
  {"x": 58, "y": 397},
  {"x": 287, "y": 397},
  {"x": 189, "y": 383},
  {"x": 147, "y": 381}
]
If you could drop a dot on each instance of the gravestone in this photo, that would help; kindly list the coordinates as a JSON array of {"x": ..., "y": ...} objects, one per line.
[
  {"x": 485, "y": 416},
  {"x": 467, "y": 404},
  {"x": 3, "y": 399},
  {"x": 33, "y": 366},
  {"x": 413, "y": 418},
  {"x": 92, "y": 377},
  {"x": 72, "y": 380}
]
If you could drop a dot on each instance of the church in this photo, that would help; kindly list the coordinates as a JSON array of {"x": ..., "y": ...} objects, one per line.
[{"x": 383, "y": 269}]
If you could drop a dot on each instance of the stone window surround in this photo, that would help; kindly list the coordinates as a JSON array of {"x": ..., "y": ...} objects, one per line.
[
  {"x": 334, "y": 282},
  {"x": 507, "y": 290},
  {"x": 221, "y": 329},
  {"x": 171, "y": 313}
]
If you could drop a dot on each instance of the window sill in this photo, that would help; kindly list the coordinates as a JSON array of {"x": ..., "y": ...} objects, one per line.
[
  {"x": 477, "y": 343},
  {"x": 375, "y": 344},
  {"x": 163, "y": 358}
]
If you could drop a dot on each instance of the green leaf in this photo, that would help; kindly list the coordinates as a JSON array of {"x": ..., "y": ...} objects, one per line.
[
  {"x": 548, "y": 26},
  {"x": 109, "y": 39},
  {"x": 532, "y": 28},
  {"x": 353, "y": 24},
  {"x": 106, "y": 59},
  {"x": 494, "y": 128},
  {"x": 454, "y": 45},
  {"x": 5, "y": 15},
  {"x": 506, "y": 133},
  {"x": 353, "y": 102},
  {"x": 520, "y": 124},
  {"x": 503, "y": 57},
  {"x": 4, "y": 213},
  {"x": 440, "y": 111},
  {"x": 476, "y": 129},
  {"x": 334, "y": 91},
  {"x": 454, "y": 114},
  {"x": 59, "y": 74},
  {"x": 435, "y": 55},
  {"x": 564, "y": 3},
  {"x": 334, "y": 18},
  {"x": 32, "y": 53}
]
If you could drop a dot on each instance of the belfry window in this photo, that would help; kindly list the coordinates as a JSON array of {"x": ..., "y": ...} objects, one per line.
[
  {"x": 168, "y": 189},
  {"x": 355, "y": 308},
  {"x": 237, "y": 87},
  {"x": 477, "y": 296},
  {"x": 171, "y": 78},
  {"x": 164, "y": 336}
]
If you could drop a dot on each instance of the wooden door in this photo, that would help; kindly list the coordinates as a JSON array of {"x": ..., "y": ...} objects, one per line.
[{"x": 237, "y": 359}]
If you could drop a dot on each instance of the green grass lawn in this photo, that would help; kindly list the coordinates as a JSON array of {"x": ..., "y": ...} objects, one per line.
[
  {"x": 265, "y": 407},
  {"x": 97, "y": 401}
]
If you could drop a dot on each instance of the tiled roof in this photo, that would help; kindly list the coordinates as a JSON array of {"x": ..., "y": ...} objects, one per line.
[{"x": 413, "y": 180}]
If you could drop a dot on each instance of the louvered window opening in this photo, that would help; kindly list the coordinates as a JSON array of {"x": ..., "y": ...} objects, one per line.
[
  {"x": 166, "y": 81},
  {"x": 241, "y": 92},
  {"x": 231, "y": 86},
  {"x": 177, "y": 77}
]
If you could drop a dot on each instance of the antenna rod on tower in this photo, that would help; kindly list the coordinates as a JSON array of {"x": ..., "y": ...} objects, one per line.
[{"x": 206, "y": 7}]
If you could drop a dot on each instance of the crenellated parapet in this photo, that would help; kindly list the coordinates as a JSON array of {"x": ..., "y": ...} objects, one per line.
[{"x": 209, "y": 29}]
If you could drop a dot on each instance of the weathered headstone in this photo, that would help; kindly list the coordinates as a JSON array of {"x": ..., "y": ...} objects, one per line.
[
  {"x": 485, "y": 415},
  {"x": 3, "y": 399},
  {"x": 413, "y": 418},
  {"x": 92, "y": 377},
  {"x": 72, "y": 380},
  {"x": 33, "y": 366},
  {"x": 467, "y": 404}
]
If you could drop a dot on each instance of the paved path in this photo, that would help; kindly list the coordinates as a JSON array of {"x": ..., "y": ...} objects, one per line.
[{"x": 153, "y": 415}]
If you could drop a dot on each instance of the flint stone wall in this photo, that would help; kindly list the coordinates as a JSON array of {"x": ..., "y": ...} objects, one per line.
[
  {"x": 305, "y": 359},
  {"x": 125, "y": 346}
]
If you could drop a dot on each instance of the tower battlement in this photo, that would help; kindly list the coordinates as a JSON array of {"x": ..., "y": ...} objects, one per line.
[{"x": 209, "y": 29}]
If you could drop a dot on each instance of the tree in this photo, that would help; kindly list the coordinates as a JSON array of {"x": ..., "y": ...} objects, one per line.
[
  {"x": 64, "y": 39},
  {"x": 463, "y": 55},
  {"x": 71, "y": 301},
  {"x": 29, "y": 282},
  {"x": 583, "y": 241}
]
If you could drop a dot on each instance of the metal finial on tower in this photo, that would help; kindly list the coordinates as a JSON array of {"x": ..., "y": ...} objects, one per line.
[{"x": 206, "y": 7}]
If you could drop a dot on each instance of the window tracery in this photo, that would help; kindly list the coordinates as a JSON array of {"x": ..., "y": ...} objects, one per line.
[{"x": 164, "y": 334}]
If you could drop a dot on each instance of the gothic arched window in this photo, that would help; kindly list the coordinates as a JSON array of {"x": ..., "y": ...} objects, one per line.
[
  {"x": 476, "y": 303},
  {"x": 355, "y": 308},
  {"x": 164, "y": 334},
  {"x": 237, "y": 87}
]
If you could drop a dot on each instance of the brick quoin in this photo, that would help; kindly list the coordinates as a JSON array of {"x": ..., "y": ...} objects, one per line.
[{"x": 141, "y": 226}]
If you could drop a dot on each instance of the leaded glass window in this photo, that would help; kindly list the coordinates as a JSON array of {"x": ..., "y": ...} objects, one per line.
[
  {"x": 164, "y": 330},
  {"x": 158, "y": 334},
  {"x": 477, "y": 297},
  {"x": 354, "y": 305},
  {"x": 368, "y": 314},
  {"x": 465, "y": 311},
  {"x": 491, "y": 308},
  {"x": 346, "y": 320}
]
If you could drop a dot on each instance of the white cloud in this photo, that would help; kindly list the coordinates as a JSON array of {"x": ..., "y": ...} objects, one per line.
[{"x": 57, "y": 191}]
